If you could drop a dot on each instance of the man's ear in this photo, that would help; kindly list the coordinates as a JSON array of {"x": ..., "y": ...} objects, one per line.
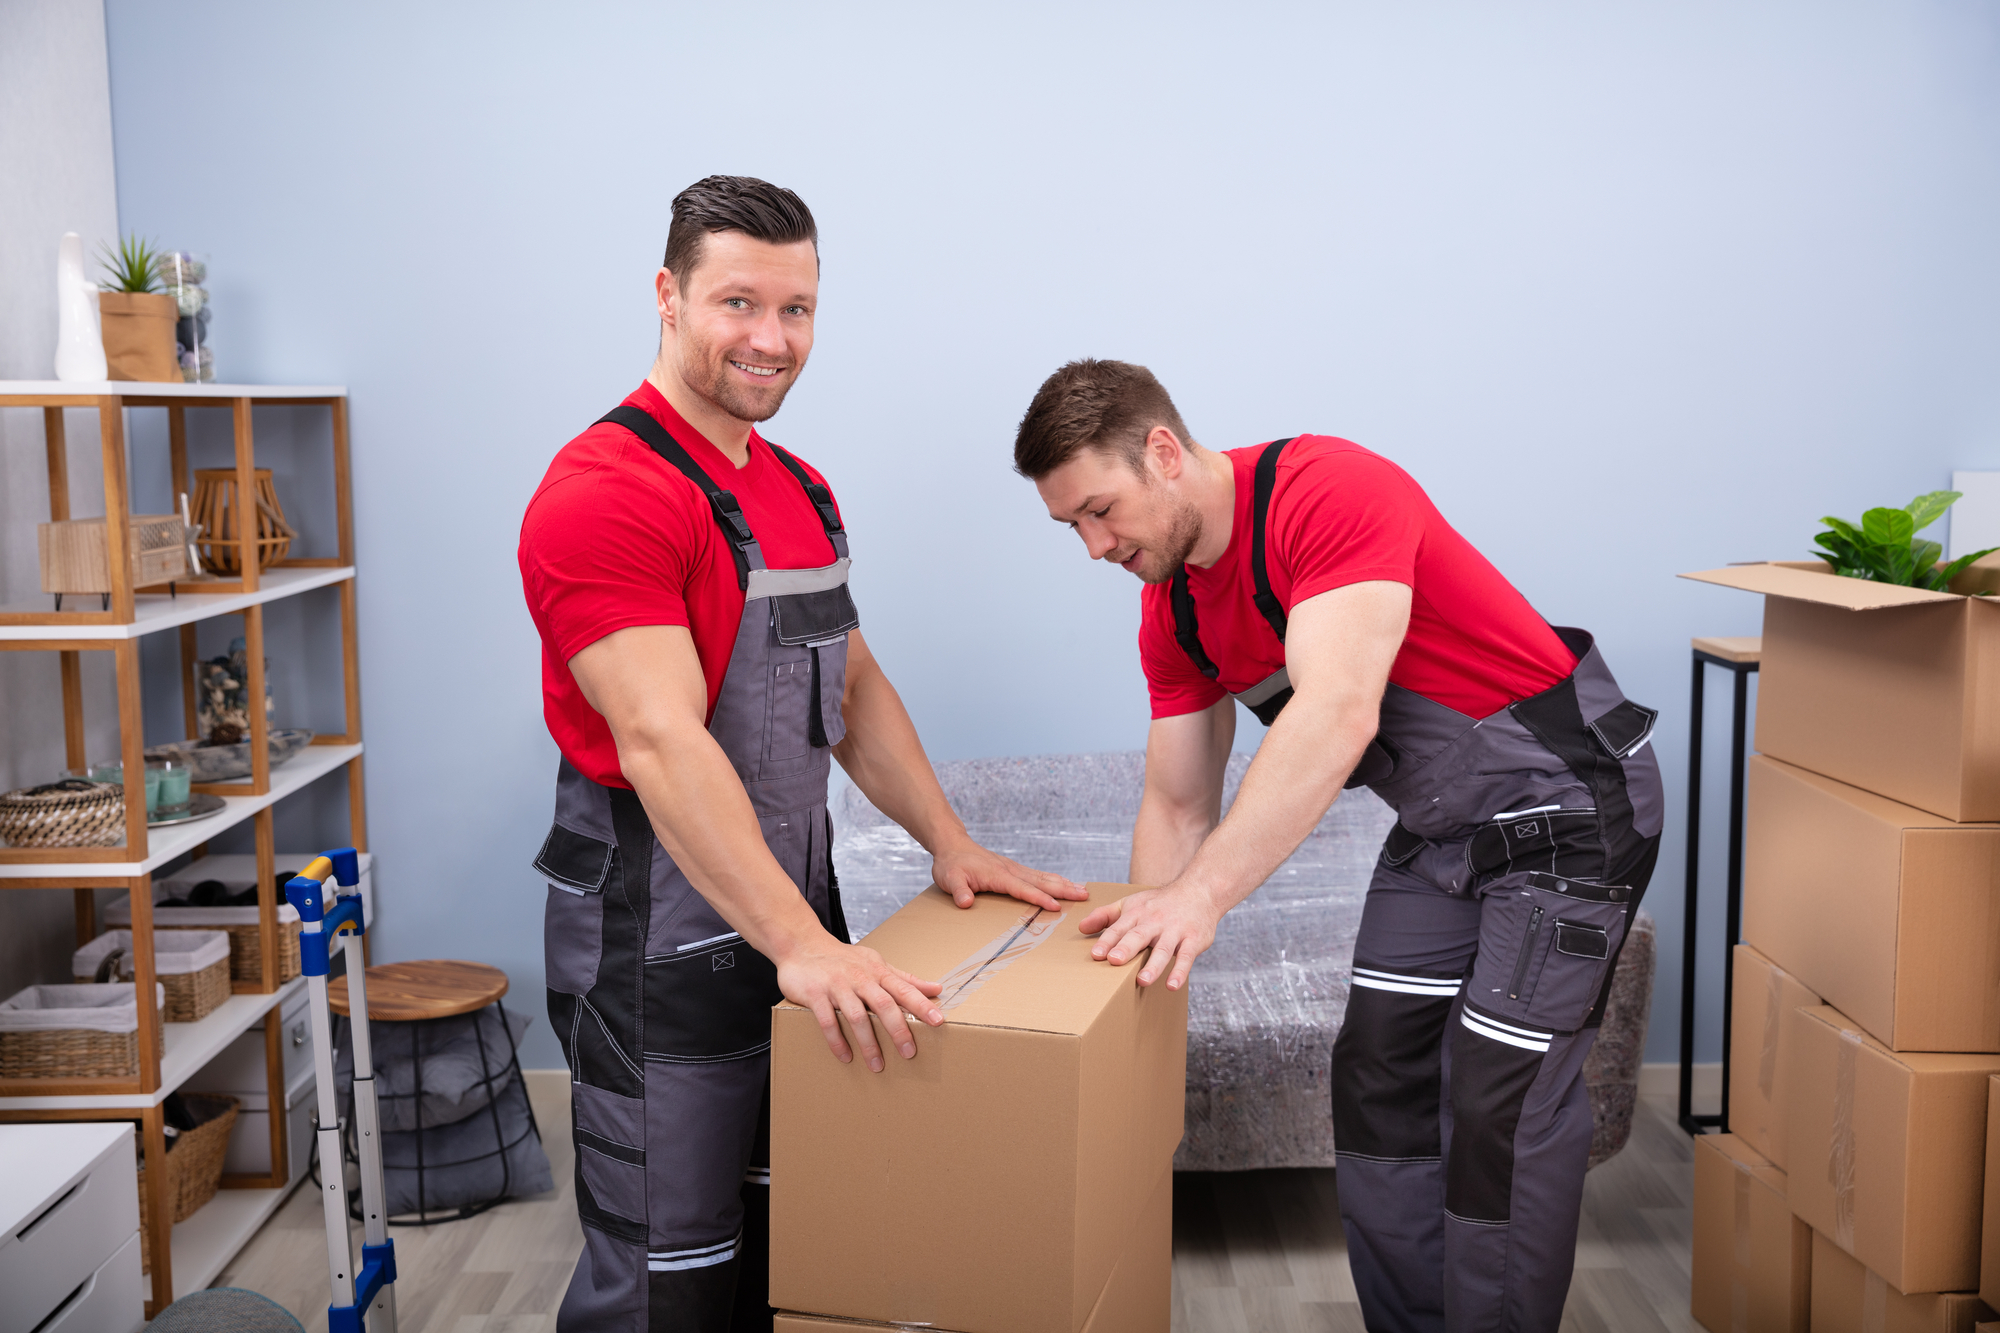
[
  {"x": 667, "y": 292},
  {"x": 1165, "y": 453}
]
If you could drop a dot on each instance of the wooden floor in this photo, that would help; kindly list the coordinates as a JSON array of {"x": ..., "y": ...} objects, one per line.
[{"x": 1254, "y": 1252}]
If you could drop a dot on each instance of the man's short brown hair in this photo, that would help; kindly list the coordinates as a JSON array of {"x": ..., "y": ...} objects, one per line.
[
  {"x": 757, "y": 208},
  {"x": 1090, "y": 404}
]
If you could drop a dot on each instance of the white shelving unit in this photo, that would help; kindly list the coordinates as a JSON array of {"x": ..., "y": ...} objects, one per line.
[{"x": 189, "y": 1254}]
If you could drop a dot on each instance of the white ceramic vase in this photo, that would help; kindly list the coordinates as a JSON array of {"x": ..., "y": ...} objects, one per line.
[{"x": 79, "y": 343}]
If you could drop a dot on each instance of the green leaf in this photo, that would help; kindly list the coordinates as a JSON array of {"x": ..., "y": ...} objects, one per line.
[
  {"x": 1929, "y": 508},
  {"x": 1888, "y": 527},
  {"x": 1844, "y": 528},
  {"x": 132, "y": 267},
  {"x": 1924, "y": 556},
  {"x": 1957, "y": 567}
]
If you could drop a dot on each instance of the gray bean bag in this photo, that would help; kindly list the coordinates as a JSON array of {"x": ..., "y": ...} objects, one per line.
[{"x": 1267, "y": 999}]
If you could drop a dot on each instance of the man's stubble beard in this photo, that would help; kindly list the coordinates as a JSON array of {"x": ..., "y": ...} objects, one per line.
[
  {"x": 1183, "y": 533},
  {"x": 727, "y": 395}
]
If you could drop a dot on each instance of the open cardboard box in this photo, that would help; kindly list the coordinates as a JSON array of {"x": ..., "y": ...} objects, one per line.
[
  {"x": 1878, "y": 685},
  {"x": 1007, "y": 1167},
  {"x": 1892, "y": 915}
]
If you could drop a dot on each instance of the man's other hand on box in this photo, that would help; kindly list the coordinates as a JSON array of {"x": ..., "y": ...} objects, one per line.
[
  {"x": 964, "y": 869},
  {"x": 837, "y": 980}
]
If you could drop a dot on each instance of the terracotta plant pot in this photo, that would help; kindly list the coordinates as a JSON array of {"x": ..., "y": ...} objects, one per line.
[{"x": 139, "y": 335}]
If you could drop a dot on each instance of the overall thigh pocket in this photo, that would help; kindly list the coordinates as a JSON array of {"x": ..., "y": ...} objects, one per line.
[
  {"x": 710, "y": 1000},
  {"x": 610, "y": 1134},
  {"x": 1545, "y": 944}
]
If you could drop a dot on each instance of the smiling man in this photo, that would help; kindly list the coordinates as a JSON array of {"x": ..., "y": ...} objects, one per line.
[
  {"x": 1316, "y": 583},
  {"x": 701, "y": 665}
]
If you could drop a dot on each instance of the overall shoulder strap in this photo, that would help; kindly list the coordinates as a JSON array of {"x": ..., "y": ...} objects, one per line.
[
  {"x": 1185, "y": 630},
  {"x": 821, "y": 497},
  {"x": 728, "y": 513},
  {"x": 1260, "y": 508}
]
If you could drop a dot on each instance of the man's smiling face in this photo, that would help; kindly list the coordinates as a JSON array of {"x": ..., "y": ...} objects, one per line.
[
  {"x": 1133, "y": 521},
  {"x": 742, "y": 326}
]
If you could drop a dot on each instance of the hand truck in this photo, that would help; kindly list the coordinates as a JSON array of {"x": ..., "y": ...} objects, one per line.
[{"x": 329, "y": 905}]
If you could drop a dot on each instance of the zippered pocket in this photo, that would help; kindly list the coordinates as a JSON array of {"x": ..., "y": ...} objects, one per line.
[{"x": 1527, "y": 953}]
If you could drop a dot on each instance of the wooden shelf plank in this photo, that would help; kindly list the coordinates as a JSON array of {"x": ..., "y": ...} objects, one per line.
[
  {"x": 164, "y": 844},
  {"x": 165, "y": 389},
  {"x": 206, "y": 1242},
  {"x": 190, "y": 1046},
  {"x": 153, "y": 613}
]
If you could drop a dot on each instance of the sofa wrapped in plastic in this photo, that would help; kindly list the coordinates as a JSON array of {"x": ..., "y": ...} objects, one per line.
[{"x": 1266, "y": 1000}]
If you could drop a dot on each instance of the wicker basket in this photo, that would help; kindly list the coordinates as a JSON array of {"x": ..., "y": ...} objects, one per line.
[
  {"x": 74, "y": 1032},
  {"x": 246, "y": 942},
  {"x": 192, "y": 964},
  {"x": 194, "y": 1162},
  {"x": 70, "y": 813}
]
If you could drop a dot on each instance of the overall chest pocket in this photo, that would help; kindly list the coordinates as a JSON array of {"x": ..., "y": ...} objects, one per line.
[
  {"x": 577, "y": 867},
  {"x": 709, "y": 1001}
]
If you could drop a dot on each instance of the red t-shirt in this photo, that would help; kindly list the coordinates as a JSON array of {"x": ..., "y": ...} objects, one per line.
[
  {"x": 1339, "y": 515},
  {"x": 617, "y": 536}
]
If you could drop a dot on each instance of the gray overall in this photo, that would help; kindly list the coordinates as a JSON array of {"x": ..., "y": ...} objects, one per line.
[
  {"x": 663, "y": 1011},
  {"x": 1523, "y": 843}
]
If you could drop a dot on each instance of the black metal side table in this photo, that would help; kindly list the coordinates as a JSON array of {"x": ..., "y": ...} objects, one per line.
[{"x": 1740, "y": 657}]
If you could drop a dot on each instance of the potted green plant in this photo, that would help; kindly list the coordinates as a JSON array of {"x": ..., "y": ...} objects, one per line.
[
  {"x": 1883, "y": 547},
  {"x": 138, "y": 318}
]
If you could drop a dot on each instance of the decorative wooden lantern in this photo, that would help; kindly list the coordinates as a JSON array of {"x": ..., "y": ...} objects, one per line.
[
  {"x": 76, "y": 559},
  {"x": 216, "y": 509}
]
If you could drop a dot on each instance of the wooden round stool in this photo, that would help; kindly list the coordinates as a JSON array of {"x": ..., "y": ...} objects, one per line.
[{"x": 422, "y": 994}]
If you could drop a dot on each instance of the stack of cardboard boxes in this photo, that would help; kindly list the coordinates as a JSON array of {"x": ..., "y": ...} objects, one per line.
[
  {"x": 1865, "y": 1037},
  {"x": 1017, "y": 1175}
]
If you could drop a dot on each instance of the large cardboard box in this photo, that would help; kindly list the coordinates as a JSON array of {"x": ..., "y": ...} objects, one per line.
[
  {"x": 1138, "y": 1298},
  {"x": 1014, "y": 1144},
  {"x": 1879, "y": 686},
  {"x": 1891, "y": 914},
  {"x": 1887, "y": 1150},
  {"x": 1764, "y": 993},
  {"x": 1752, "y": 1257},
  {"x": 1989, "y": 1243},
  {"x": 1847, "y": 1298}
]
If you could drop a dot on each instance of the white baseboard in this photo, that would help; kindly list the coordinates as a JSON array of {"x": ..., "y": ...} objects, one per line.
[{"x": 1664, "y": 1080}]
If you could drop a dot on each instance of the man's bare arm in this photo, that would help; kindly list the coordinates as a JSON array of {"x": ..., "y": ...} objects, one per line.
[
  {"x": 1339, "y": 648},
  {"x": 647, "y": 683},
  {"x": 1186, "y": 758},
  {"x": 887, "y": 761}
]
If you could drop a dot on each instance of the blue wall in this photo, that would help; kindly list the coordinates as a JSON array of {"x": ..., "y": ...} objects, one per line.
[{"x": 1632, "y": 290}]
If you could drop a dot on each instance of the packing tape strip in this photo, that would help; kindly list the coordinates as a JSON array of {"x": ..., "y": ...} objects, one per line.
[
  {"x": 1030, "y": 931},
  {"x": 1874, "y": 1303},
  {"x": 1774, "y": 1015},
  {"x": 1840, "y": 1151},
  {"x": 1739, "y": 1290}
]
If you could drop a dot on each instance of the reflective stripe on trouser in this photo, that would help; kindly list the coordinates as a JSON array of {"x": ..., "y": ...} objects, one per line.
[
  {"x": 1462, "y": 1125},
  {"x": 664, "y": 1012}
]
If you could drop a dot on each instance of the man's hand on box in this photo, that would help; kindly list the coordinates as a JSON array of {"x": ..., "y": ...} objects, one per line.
[
  {"x": 1176, "y": 923},
  {"x": 837, "y": 980},
  {"x": 965, "y": 868}
]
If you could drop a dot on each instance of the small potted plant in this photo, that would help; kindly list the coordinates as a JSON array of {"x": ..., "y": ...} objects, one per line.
[
  {"x": 137, "y": 317},
  {"x": 1883, "y": 547}
]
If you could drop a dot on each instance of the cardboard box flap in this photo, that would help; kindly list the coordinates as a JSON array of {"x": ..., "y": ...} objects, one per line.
[
  {"x": 1004, "y": 964},
  {"x": 1747, "y": 1158},
  {"x": 1811, "y": 581}
]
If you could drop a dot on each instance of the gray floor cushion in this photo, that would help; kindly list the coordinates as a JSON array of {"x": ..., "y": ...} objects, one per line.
[{"x": 1267, "y": 999}]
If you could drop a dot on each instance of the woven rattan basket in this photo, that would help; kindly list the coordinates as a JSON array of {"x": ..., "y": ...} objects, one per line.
[
  {"x": 34, "y": 1045},
  {"x": 246, "y": 941},
  {"x": 192, "y": 964},
  {"x": 70, "y": 813},
  {"x": 194, "y": 1162}
]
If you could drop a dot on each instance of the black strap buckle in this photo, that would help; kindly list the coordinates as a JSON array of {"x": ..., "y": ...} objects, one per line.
[
  {"x": 822, "y": 500},
  {"x": 730, "y": 514}
]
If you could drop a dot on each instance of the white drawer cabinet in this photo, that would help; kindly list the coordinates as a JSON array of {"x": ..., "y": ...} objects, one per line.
[
  {"x": 239, "y": 1068},
  {"x": 71, "y": 1207},
  {"x": 110, "y": 1300}
]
